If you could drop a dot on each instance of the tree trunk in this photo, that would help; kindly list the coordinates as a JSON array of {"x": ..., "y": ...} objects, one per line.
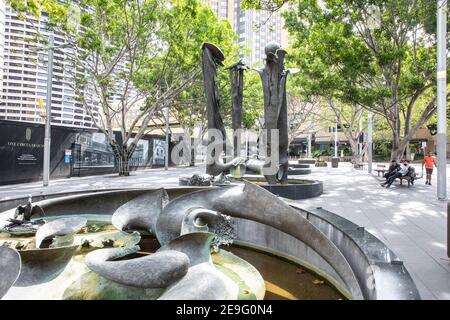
[
  {"x": 354, "y": 146},
  {"x": 397, "y": 147},
  {"x": 192, "y": 162},
  {"x": 124, "y": 167},
  {"x": 398, "y": 150},
  {"x": 123, "y": 155}
]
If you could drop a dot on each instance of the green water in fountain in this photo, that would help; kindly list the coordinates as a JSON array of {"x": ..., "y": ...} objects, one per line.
[{"x": 286, "y": 280}]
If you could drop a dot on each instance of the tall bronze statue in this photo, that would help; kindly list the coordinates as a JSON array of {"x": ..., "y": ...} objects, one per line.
[
  {"x": 237, "y": 97},
  {"x": 212, "y": 58},
  {"x": 273, "y": 77}
]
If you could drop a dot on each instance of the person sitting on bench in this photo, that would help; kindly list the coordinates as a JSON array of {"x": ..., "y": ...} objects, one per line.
[
  {"x": 393, "y": 168},
  {"x": 402, "y": 171}
]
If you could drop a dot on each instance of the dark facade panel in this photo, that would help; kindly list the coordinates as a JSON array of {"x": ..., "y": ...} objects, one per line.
[{"x": 74, "y": 152}]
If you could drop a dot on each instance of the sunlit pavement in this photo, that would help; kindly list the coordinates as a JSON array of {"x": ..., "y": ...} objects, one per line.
[
  {"x": 411, "y": 221},
  {"x": 148, "y": 178}
]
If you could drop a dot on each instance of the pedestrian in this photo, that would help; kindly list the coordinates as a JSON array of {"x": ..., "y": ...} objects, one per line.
[{"x": 429, "y": 161}]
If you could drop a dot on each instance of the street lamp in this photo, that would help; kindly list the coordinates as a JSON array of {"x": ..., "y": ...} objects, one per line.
[
  {"x": 441, "y": 100},
  {"x": 48, "y": 109},
  {"x": 374, "y": 22},
  {"x": 360, "y": 144},
  {"x": 336, "y": 140},
  {"x": 369, "y": 141},
  {"x": 441, "y": 106},
  {"x": 308, "y": 155},
  {"x": 166, "y": 164},
  {"x": 48, "y": 112}
]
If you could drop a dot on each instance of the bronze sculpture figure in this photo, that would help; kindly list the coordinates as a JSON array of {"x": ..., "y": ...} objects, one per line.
[
  {"x": 212, "y": 57},
  {"x": 237, "y": 97},
  {"x": 274, "y": 77}
]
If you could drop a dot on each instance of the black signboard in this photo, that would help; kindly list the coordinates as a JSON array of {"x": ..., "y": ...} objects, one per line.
[
  {"x": 73, "y": 152},
  {"x": 21, "y": 152}
]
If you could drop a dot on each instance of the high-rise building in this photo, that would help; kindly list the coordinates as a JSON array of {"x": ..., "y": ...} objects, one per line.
[
  {"x": 23, "y": 71},
  {"x": 2, "y": 42},
  {"x": 255, "y": 28}
]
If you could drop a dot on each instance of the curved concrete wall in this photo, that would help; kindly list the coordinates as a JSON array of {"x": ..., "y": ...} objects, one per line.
[{"x": 381, "y": 274}]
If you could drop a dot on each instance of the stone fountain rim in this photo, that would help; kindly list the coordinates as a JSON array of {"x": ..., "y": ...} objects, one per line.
[
  {"x": 338, "y": 222},
  {"x": 37, "y": 198},
  {"x": 258, "y": 178},
  {"x": 351, "y": 230}
]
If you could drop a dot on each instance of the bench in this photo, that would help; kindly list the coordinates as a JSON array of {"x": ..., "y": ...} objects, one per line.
[
  {"x": 381, "y": 168},
  {"x": 407, "y": 178},
  {"x": 359, "y": 166}
]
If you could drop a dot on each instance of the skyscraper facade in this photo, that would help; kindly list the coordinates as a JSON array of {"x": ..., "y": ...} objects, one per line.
[
  {"x": 2, "y": 43},
  {"x": 23, "y": 71},
  {"x": 255, "y": 28}
]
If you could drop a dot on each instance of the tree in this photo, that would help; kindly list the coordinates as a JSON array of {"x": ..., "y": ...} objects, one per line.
[
  {"x": 137, "y": 56},
  {"x": 348, "y": 119},
  {"x": 377, "y": 54},
  {"x": 307, "y": 116},
  {"x": 253, "y": 104},
  {"x": 302, "y": 115},
  {"x": 189, "y": 110}
]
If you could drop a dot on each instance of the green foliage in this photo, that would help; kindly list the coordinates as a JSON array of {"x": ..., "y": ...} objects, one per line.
[
  {"x": 382, "y": 150},
  {"x": 190, "y": 108},
  {"x": 379, "y": 54},
  {"x": 339, "y": 60},
  {"x": 270, "y": 5},
  {"x": 157, "y": 42},
  {"x": 34, "y": 7},
  {"x": 184, "y": 29},
  {"x": 322, "y": 153},
  {"x": 253, "y": 105}
]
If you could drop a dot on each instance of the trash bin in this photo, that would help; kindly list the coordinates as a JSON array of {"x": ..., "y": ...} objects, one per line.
[{"x": 334, "y": 162}]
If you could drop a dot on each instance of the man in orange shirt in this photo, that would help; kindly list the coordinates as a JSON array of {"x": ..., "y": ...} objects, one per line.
[{"x": 429, "y": 162}]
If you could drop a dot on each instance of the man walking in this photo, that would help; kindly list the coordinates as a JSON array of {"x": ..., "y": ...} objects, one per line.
[{"x": 429, "y": 161}]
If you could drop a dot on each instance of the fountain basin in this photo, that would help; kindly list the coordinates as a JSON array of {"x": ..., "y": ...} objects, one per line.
[{"x": 380, "y": 273}]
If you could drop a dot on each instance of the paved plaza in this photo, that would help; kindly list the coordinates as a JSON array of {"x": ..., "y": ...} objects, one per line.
[
  {"x": 411, "y": 221},
  {"x": 148, "y": 178}
]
